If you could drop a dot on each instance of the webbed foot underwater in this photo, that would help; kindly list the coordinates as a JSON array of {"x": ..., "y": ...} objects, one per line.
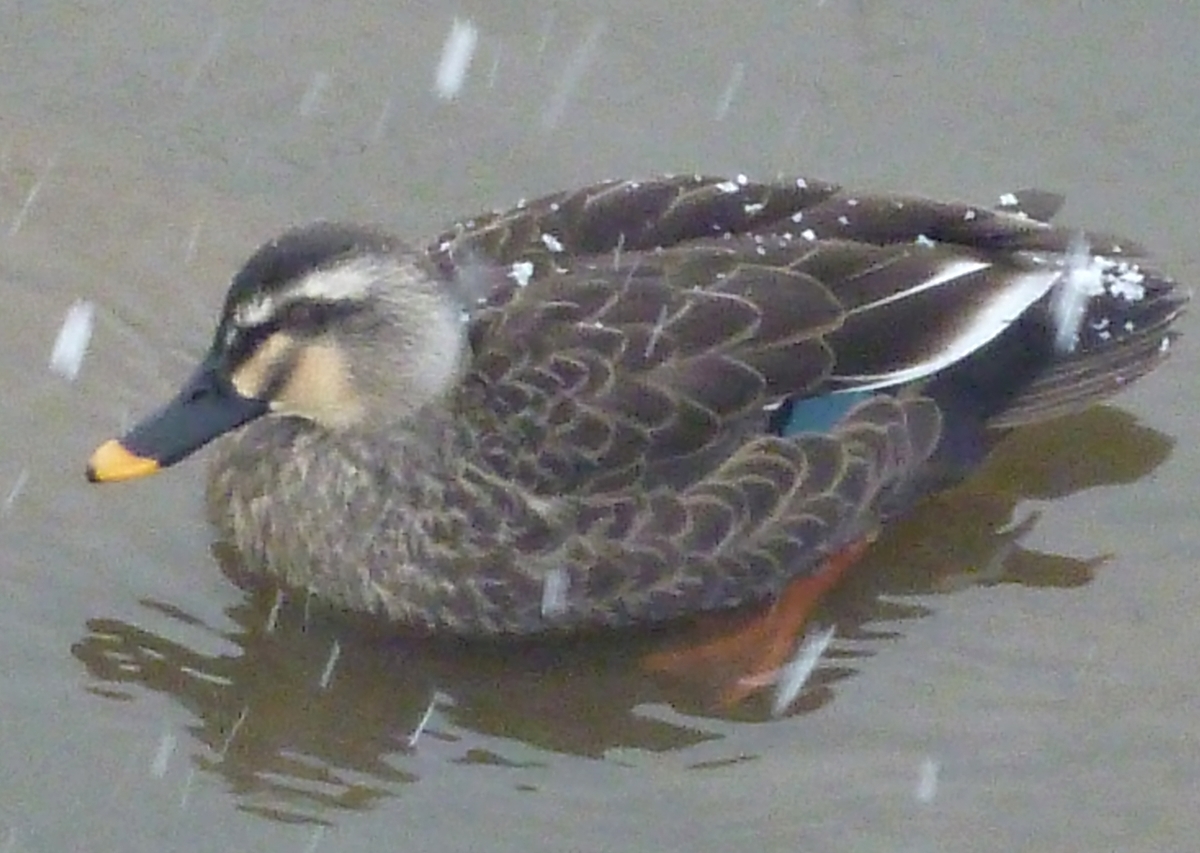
[{"x": 638, "y": 400}]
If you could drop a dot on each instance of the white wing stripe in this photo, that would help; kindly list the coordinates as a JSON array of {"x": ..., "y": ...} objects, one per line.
[{"x": 992, "y": 318}]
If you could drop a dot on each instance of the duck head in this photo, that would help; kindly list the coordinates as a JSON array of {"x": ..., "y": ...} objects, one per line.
[{"x": 338, "y": 324}]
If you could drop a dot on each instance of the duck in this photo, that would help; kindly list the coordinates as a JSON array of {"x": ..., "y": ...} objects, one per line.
[{"x": 636, "y": 401}]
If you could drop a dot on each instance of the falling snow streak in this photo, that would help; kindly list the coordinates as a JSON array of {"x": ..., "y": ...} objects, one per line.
[
  {"x": 234, "y": 729},
  {"x": 457, "y": 52},
  {"x": 927, "y": 781},
  {"x": 656, "y": 332},
  {"x": 193, "y": 241},
  {"x": 72, "y": 342},
  {"x": 335, "y": 652},
  {"x": 794, "y": 675},
  {"x": 494, "y": 71},
  {"x": 19, "y": 220},
  {"x": 273, "y": 616},
  {"x": 568, "y": 82},
  {"x": 15, "y": 492},
  {"x": 1078, "y": 284},
  {"x": 424, "y": 722},
  {"x": 736, "y": 76},
  {"x": 381, "y": 123},
  {"x": 162, "y": 755},
  {"x": 554, "y": 592},
  {"x": 311, "y": 101}
]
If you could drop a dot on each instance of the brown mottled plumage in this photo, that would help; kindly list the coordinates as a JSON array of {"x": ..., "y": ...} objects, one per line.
[{"x": 637, "y": 400}]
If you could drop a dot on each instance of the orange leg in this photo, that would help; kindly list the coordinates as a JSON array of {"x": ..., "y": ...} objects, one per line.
[{"x": 747, "y": 655}]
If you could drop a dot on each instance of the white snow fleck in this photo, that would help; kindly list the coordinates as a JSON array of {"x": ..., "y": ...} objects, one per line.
[
  {"x": 762, "y": 250},
  {"x": 844, "y": 220},
  {"x": 521, "y": 272},
  {"x": 72, "y": 342},
  {"x": 927, "y": 780},
  {"x": 551, "y": 242},
  {"x": 1122, "y": 278},
  {"x": 801, "y": 184},
  {"x": 808, "y": 234},
  {"x": 554, "y": 207},
  {"x": 797, "y": 216},
  {"x": 742, "y": 180},
  {"x": 1008, "y": 200},
  {"x": 852, "y": 202},
  {"x": 1128, "y": 290},
  {"x": 554, "y": 592},
  {"x": 1164, "y": 345},
  {"x": 1129, "y": 326},
  {"x": 794, "y": 674},
  {"x": 457, "y": 52},
  {"x": 924, "y": 240},
  {"x": 969, "y": 215},
  {"x": 752, "y": 209},
  {"x": 727, "y": 186}
]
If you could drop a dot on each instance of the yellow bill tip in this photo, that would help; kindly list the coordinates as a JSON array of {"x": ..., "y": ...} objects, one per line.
[{"x": 112, "y": 461}]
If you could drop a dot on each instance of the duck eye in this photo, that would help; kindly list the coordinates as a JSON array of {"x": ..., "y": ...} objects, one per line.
[
  {"x": 240, "y": 344},
  {"x": 300, "y": 315}
]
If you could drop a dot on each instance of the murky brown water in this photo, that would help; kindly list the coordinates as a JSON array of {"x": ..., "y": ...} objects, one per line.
[{"x": 1050, "y": 681}]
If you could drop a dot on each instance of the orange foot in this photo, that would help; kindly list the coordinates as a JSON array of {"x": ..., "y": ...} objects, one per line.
[{"x": 746, "y": 655}]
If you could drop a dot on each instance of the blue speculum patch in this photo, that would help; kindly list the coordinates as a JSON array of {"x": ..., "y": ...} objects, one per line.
[{"x": 816, "y": 414}]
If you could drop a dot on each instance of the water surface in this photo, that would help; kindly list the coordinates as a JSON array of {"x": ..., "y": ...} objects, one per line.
[{"x": 1026, "y": 642}]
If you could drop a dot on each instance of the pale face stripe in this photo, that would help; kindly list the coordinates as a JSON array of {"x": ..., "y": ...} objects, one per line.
[{"x": 352, "y": 281}]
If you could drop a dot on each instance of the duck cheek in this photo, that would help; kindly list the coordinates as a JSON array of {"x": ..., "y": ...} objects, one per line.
[{"x": 318, "y": 385}]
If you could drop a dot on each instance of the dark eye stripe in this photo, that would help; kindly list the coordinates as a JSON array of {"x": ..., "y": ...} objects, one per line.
[
  {"x": 302, "y": 318},
  {"x": 313, "y": 316}
]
